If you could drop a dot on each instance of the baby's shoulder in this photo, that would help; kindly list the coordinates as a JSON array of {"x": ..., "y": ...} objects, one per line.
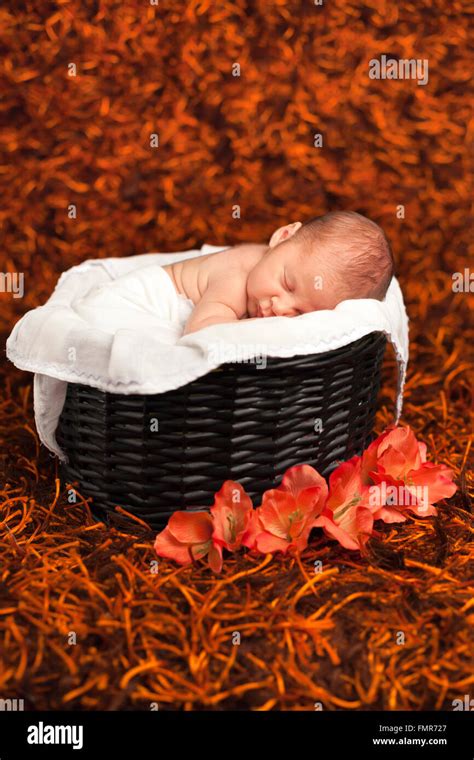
[{"x": 239, "y": 258}]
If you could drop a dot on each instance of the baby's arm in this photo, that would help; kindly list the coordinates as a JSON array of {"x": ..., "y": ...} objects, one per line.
[
  {"x": 223, "y": 300},
  {"x": 208, "y": 312}
]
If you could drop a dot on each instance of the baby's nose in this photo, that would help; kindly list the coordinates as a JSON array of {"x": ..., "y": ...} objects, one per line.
[{"x": 283, "y": 310}]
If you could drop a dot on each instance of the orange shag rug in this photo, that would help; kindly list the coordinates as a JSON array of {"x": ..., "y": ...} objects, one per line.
[{"x": 85, "y": 87}]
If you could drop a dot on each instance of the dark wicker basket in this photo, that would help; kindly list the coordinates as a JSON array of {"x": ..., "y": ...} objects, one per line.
[{"x": 239, "y": 422}]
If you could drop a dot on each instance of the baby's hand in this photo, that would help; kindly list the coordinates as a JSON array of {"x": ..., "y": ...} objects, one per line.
[
  {"x": 224, "y": 300},
  {"x": 207, "y": 313}
]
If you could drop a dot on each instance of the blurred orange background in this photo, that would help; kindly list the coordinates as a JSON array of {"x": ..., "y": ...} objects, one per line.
[{"x": 86, "y": 140}]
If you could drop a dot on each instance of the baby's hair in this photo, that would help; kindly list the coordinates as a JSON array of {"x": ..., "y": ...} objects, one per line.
[{"x": 357, "y": 242}]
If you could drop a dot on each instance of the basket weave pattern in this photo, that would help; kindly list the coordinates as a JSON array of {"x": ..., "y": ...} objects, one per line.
[{"x": 239, "y": 422}]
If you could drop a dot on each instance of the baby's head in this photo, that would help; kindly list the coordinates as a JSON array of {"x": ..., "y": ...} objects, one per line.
[{"x": 315, "y": 265}]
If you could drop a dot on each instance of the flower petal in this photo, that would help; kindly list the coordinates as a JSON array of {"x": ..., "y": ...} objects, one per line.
[
  {"x": 370, "y": 458},
  {"x": 279, "y": 512},
  {"x": 268, "y": 543},
  {"x": 302, "y": 476},
  {"x": 345, "y": 483},
  {"x": 166, "y": 545},
  {"x": 404, "y": 446},
  {"x": 389, "y": 515},
  {"x": 437, "y": 478},
  {"x": 215, "y": 558},
  {"x": 312, "y": 499},
  {"x": 334, "y": 531},
  {"x": 191, "y": 527},
  {"x": 254, "y": 527},
  {"x": 422, "y": 449}
]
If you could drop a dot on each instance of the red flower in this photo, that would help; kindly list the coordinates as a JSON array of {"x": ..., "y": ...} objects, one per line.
[
  {"x": 405, "y": 452},
  {"x": 232, "y": 513},
  {"x": 286, "y": 515},
  {"x": 187, "y": 537},
  {"x": 403, "y": 479},
  {"x": 346, "y": 516},
  {"x": 391, "y": 478}
]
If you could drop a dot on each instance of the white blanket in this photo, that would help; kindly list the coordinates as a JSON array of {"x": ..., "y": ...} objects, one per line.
[{"x": 116, "y": 324}]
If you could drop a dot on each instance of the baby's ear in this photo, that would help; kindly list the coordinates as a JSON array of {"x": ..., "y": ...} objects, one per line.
[{"x": 282, "y": 233}]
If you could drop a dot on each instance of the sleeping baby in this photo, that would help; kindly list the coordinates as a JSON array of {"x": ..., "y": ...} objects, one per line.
[{"x": 305, "y": 267}]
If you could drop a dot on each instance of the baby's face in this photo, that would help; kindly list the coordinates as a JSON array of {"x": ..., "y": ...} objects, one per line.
[{"x": 285, "y": 284}]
